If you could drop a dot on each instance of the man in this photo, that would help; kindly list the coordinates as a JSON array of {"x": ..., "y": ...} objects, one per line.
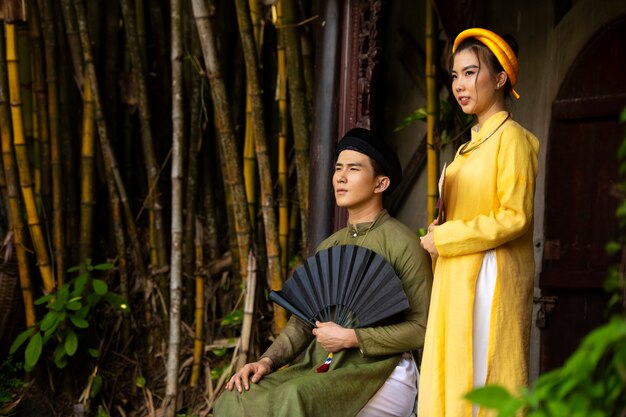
[{"x": 372, "y": 372}]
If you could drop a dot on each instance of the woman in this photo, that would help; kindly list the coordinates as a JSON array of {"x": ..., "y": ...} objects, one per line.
[{"x": 479, "y": 319}]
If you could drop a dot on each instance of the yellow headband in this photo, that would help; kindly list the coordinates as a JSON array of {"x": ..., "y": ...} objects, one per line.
[{"x": 500, "y": 48}]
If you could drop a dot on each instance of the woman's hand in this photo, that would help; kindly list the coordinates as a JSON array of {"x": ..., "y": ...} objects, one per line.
[
  {"x": 428, "y": 241},
  {"x": 333, "y": 338},
  {"x": 258, "y": 370}
]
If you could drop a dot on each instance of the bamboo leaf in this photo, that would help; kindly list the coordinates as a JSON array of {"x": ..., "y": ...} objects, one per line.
[
  {"x": 20, "y": 339},
  {"x": 74, "y": 269},
  {"x": 94, "y": 353},
  {"x": 33, "y": 350},
  {"x": 60, "y": 357},
  {"x": 49, "y": 321},
  {"x": 71, "y": 343},
  {"x": 418, "y": 114},
  {"x": 79, "y": 285},
  {"x": 74, "y": 305},
  {"x": 80, "y": 323},
  {"x": 63, "y": 293},
  {"x": 100, "y": 287},
  {"x": 103, "y": 267},
  {"x": 44, "y": 299},
  {"x": 82, "y": 313}
]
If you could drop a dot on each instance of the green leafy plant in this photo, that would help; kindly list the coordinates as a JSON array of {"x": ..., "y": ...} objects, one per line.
[
  {"x": 592, "y": 383},
  {"x": 10, "y": 381},
  {"x": 445, "y": 123},
  {"x": 233, "y": 319},
  {"x": 69, "y": 317}
]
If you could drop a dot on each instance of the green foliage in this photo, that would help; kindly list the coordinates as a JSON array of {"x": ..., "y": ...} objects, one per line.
[
  {"x": 140, "y": 382},
  {"x": 592, "y": 383},
  {"x": 216, "y": 372},
  {"x": 10, "y": 380},
  {"x": 233, "y": 319},
  {"x": 445, "y": 123},
  {"x": 69, "y": 317},
  {"x": 101, "y": 412}
]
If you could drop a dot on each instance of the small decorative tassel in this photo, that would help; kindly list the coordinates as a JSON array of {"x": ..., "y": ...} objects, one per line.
[{"x": 324, "y": 367}]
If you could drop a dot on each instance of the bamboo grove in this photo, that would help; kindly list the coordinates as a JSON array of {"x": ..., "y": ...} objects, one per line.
[{"x": 161, "y": 148}]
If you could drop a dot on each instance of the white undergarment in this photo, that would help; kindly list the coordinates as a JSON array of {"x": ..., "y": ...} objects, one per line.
[
  {"x": 397, "y": 396},
  {"x": 483, "y": 301}
]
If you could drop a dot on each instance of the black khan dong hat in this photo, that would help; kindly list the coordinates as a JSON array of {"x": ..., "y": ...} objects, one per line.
[{"x": 365, "y": 142}]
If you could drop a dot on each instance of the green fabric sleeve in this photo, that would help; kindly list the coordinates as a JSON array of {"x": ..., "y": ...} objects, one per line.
[{"x": 290, "y": 343}]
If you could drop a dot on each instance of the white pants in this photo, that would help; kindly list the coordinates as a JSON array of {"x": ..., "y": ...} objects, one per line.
[
  {"x": 397, "y": 396},
  {"x": 483, "y": 300}
]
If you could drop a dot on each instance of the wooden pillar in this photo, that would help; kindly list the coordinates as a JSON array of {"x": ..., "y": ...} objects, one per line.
[
  {"x": 324, "y": 123},
  {"x": 361, "y": 54}
]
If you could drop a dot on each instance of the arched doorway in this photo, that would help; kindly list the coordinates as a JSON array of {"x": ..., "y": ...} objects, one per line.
[{"x": 585, "y": 134}]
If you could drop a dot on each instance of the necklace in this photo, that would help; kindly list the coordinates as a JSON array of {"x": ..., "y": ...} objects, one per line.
[{"x": 464, "y": 149}]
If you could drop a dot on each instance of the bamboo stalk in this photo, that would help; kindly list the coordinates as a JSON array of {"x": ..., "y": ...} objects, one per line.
[
  {"x": 227, "y": 146},
  {"x": 87, "y": 175},
  {"x": 248, "y": 306},
  {"x": 122, "y": 262},
  {"x": 265, "y": 175},
  {"x": 15, "y": 210},
  {"x": 58, "y": 226},
  {"x": 208, "y": 207},
  {"x": 298, "y": 109},
  {"x": 431, "y": 111},
  {"x": 258, "y": 118},
  {"x": 141, "y": 31},
  {"x": 307, "y": 66},
  {"x": 257, "y": 25},
  {"x": 111, "y": 71},
  {"x": 294, "y": 221},
  {"x": 68, "y": 101},
  {"x": 198, "y": 341},
  {"x": 249, "y": 158},
  {"x": 73, "y": 39},
  {"x": 39, "y": 79},
  {"x": 157, "y": 229},
  {"x": 283, "y": 127},
  {"x": 249, "y": 164},
  {"x": 110, "y": 163},
  {"x": 26, "y": 183},
  {"x": 191, "y": 178},
  {"x": 173, "y": 351},
  {"x": 26, "y": 82}
]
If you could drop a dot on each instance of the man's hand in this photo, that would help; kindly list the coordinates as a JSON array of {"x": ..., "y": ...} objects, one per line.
[
  {"x": 333, "y": 338},
  {"x": 258, "y": 370}
]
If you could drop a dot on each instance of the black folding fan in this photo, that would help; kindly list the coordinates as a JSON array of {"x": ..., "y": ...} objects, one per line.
[{"x": 349, "y": 285}]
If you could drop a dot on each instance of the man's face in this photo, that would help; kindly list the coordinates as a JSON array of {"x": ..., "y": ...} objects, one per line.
[{"x": 354, "y": 181}]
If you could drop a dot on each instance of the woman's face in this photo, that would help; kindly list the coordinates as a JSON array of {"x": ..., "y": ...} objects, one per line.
[{"x": 475, "y": 87}]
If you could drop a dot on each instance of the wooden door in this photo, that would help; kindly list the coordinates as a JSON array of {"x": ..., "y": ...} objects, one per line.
[{"x": 585, "y": 134}]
